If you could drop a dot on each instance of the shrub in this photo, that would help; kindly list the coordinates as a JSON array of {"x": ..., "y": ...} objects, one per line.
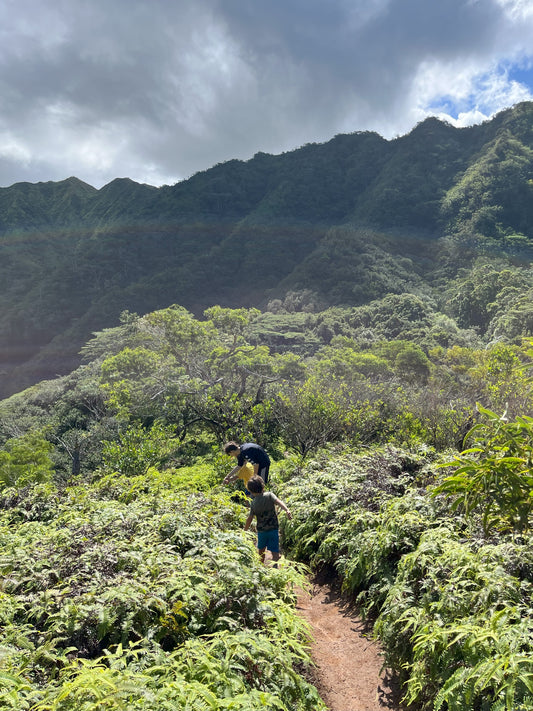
[
  {"x": 25, "y": 460},
  {"x": 495, "y": 475}
]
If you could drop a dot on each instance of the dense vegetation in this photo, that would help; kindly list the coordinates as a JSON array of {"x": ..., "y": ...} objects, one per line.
[
  {"x": 141, "y": 593},
  {"x": 401, "y": 443},
  {"x": 451, "y": 602},
  {"x": 373, "y": 331},
  {"x": 352, "y": 221}
]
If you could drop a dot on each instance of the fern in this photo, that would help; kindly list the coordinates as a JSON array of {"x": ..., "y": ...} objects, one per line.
[{"x": 507, "y": 681}]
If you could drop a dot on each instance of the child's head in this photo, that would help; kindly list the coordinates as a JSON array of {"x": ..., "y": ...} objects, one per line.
[
  {"x": 255, "y": 485},
  {"x": 231, "y": 448}
]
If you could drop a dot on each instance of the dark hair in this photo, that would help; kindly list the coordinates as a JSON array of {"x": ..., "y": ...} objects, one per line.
[
  {"x": 230, "y": 447},
  {"x": 255, "y": 484}
]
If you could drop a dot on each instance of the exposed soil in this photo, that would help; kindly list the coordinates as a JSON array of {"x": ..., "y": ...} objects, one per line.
[{"x": 348, "y": 667}]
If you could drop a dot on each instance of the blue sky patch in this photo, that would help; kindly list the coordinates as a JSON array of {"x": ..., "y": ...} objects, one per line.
[{"x": 522, "y": 73}]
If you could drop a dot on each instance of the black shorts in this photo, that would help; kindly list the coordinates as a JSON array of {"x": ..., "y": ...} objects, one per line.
[{"x": 263, "y": 473}]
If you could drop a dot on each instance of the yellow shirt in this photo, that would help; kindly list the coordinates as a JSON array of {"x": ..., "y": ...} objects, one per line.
[{"x": 246, "y": 472}]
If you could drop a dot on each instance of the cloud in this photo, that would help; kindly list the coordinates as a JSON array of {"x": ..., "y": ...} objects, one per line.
[{"x": 157, "y": 90}]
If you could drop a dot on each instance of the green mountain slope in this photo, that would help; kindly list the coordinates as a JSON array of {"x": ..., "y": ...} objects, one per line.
[{"x": 351, "y": 220}]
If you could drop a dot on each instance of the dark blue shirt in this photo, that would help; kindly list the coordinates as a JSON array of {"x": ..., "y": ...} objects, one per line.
[{"x": 250, "y": 452}]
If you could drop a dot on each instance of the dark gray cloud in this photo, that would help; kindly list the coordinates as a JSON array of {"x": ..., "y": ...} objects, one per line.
[{"x": 157, "y": 89}]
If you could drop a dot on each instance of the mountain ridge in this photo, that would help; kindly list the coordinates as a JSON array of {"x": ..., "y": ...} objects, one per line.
[{"x": 351, "y": 219}]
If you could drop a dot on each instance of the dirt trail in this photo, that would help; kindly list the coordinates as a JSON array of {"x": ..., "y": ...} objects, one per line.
[{"x": 348, "y": 672}]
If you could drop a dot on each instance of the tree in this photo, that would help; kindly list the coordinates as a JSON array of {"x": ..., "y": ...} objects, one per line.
[
  {"x": 412, "y": 363},
  {"x": 483, "y": 293},
  {"x": 25, "y": 460},
  {"x": 138, "y": 449},
  {"x": 308, "y": 417},
  {"x": 343, "y": 362},
  {"x": 175, "y": 332},
  {"x": 233, "y": 323},
  {"x": 133, "y": 379}
]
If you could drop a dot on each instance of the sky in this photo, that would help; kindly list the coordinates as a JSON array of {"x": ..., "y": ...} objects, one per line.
[{"x": 157, "y": 90}]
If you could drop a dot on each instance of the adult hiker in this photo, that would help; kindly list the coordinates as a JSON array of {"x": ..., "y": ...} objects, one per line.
[{"x": 247, "y": 452}]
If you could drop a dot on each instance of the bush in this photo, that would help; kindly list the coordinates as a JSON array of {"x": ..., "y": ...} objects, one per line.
[{"x": 25, "y": 460}]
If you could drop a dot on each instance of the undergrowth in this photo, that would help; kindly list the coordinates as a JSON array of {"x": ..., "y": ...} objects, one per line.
[
  {"x": 451, "y": 606},
  {"x": 142, "y": 593}
]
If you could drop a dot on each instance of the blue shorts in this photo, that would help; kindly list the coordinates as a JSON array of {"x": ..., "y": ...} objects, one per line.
[{"x": 268, "y": 539}]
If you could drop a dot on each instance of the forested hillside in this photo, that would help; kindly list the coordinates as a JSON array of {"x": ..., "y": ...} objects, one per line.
[
  {"x": 444, "y": 214},
  {"x": 401, "y": 443}
]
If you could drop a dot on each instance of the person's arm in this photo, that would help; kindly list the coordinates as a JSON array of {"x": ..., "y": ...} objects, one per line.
[
  {"x": 248, "y": 521},
  {"x": 229, "y": 478},
  {"x": 283, "y": 507}
]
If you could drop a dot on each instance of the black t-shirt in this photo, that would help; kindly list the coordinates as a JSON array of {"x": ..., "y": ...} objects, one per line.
[
  {"x": 264, "y": 508},
  {"x": 253, "y": 453}
]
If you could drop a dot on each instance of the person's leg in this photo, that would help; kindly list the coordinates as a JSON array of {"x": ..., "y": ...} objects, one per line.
[
  {"x": 262, "y": 543},
  {"x": 263, "y": 473},
  {"x": 273, "y": 545}
]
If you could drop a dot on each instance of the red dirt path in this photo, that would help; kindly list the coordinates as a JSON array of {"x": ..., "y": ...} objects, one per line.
[{"x": 348, "y": 674}]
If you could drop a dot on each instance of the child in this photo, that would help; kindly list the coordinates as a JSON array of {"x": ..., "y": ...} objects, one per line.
[{"x": 263, "y": 507}]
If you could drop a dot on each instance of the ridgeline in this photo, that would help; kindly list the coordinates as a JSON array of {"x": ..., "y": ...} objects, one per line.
[{"x": 339, "y": 224}]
